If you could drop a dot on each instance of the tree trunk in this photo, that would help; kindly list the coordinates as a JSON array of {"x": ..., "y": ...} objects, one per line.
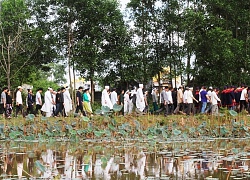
[
  {"x": 8, "y": 69},
  {"x": 92, "y": 90}
]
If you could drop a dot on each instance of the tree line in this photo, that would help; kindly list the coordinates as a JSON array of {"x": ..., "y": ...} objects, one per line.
[{"x": 203, "y": 41}]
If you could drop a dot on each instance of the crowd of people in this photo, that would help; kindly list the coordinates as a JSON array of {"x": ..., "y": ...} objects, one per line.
[
  {"x": 55, "y": 103},
  {"x": 168, "y": 101},
  {"x": 179, "y": 101}
]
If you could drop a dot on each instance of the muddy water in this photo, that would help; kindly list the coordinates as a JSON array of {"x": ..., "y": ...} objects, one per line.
[{"x": 126, "y": 160}]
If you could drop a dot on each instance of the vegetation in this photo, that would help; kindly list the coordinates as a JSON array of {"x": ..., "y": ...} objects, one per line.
[{"x": 110, "y": 126}]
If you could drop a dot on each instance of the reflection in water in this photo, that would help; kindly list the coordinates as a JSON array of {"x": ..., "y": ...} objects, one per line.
[{"x": 218, "y": 159}]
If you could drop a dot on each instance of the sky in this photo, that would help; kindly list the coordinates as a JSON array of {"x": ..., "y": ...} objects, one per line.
[{"x": 123, "y": 4}]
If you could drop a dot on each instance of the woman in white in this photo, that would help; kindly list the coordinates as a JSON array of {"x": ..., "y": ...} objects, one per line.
[
  {"x": 67, "y": 101},
  {"x": 126, "y": 102},
  {"x": 105, "y": 98},
  {"x": 140, "y": 102},
  {"x": 48, "y": 102}
]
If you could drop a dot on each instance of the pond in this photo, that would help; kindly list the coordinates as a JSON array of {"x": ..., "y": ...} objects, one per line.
[{"x": 128, "y": 159}]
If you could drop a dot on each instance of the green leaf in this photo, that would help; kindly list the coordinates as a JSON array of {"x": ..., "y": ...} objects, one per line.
[
  {"x": 39, "y": 166},
  {"x": 111, "y": 127},
  {"x": 31, "y": 116},
  {"x": 43, "y": 118},
  {"x": 98, "y": 111},
  {"x": 98, "y": 133},
  {"x": 117, "y": 107},
  {"x": 85, "y": 118},
  {"x": 233, "y": 113},
  {"x": 105, "y": 109},
  {"x": 176, "y": 132}
]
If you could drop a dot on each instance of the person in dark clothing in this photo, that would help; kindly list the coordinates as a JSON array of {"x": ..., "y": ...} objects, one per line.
[
  {"x": 9, "y": 104},
  {"x": 59, "y": 102},
  {"x": 79, "y": 101},
  {"x": 30, "y": 102},
  {"x": 121, "y": 101}
]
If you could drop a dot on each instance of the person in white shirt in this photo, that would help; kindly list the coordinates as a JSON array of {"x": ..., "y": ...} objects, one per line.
[
  {"x": 67, "y": 101},
  {"x": 209, "y": 104},
  {"x": 214, "y": 101},
  {"x": 170, "y": 100},
  {"x": 39, "y": 102},
  {"x": 105, "y": 98},
  {"x": 140, "y": 101},
  {"x": 243, "y": 98},
  {"x": 188, "y": 96},
  {"x": 126, "y": 102},
  {"x": 19, "y": 100},
  {"x": 48, "y": 102},
  {"x": 113, "y": 97}
]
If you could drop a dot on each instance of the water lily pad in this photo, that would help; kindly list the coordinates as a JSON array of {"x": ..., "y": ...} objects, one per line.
[
  {"x": 176, "y": 132},
  {"x": 117, "y": 107},
  {"x": 43, "y": 118},
  {"x": 85, "y": 118},
  {"x": 105, "y": 109},
  {"x": 30, "y": 117},
  {"x": 233, "y": 113},
  {"x": 98, "y": 111}
]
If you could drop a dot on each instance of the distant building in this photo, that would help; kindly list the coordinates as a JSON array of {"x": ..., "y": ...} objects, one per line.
[{"x": 165, "y": 79}]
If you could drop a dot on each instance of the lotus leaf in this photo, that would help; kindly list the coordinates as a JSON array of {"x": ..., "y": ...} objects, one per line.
[
  {"x": 39, "y": 166},
  {"x": 1, "y": 128},
  {"x": 98, "y": 133},
  {"x": 105, "y": 109},
  {"x": 138, "y": 125},
  {"x": 108, "y": 133},
  {"x": 176, "y": 132},
  {"x": 117, "y": 107},
  {"x": 245, "y": 128},
  {"x": 85, "y": 118},
  {"x": 164, "y": 134},
  {"x": 31, "y": 116},
  {"x": 111, "y": 127},
  {"x": 98, "y": 112},
  {"x": 43, "y": 118},
  {"x": 113, "y": 121},
  {"x": 203, "y": 124},
  {"x": 150, "y": 136},
  {"x": 233, "y": 113},
  {"x": 185, "y": 136},
  {"x": 73, "y": 132}
]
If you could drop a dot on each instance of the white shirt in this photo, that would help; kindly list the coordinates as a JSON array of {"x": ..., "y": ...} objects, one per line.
[
  {"x": 113, "y": 97},
  {"x": 19, "y": 99},
  {"x": 189, "y": 97},
  {"x": 209, "y": 95},
  {"x": 243, "y": 94},
  {"x": 169, "y": 97},
  {"x": 214, "y": 98},
  {"x": 185, "y": 96},
  {"x": 38, "y": 96}
]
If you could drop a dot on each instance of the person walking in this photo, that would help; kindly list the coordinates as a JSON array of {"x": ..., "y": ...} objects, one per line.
[
  {"x": 39, "y": 102},
  {"x": 3, "y": 101},
  {"x": 19, "y": 101},
  {"x": 86, "y": 102},
  {"x": 79, "y": 101},
  {"x": 214, "y": 102},
  {"x": 140, "y": 101},
  {"x": 30, "y": 102},
  {"x": 67, "y": 101},
  {"x": 9, "y": 106},
  {"x": 179, "y": 100},
  {"x": 48, "y": 102}
]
